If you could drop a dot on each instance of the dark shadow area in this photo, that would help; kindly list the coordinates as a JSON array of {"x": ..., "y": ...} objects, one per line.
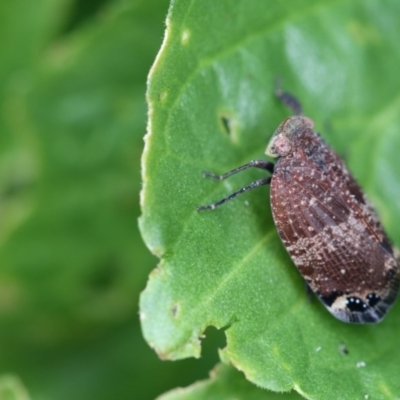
[{"x": 81, "y": 11}]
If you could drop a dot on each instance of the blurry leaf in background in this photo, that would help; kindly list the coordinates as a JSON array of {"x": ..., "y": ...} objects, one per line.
[
  {"x": 83, "y": 108},
  {"x": 72, "y": 262},
  {"x": 212, "y": 108},
  {"x": 80, "y": 11},
  {"x": 20, "y": 49},
  {"x": 226, "y": 383},
  {"x": 11, "y": 388}
]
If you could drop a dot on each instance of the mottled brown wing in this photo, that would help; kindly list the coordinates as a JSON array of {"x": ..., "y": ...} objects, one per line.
[{"x": 332, "y": 234}]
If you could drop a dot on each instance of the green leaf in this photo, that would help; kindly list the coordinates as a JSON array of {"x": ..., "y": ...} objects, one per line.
[
  {"x": 25, "y": 28},
  {"x": 212, "y": 108},
  {"x": 73, "y": 264},
  {"x": 82, "y": 112},
  {"x": 225, "y": 383},
  {"x": 11, "y": 388},
  {"x": 72, "y": 261}
]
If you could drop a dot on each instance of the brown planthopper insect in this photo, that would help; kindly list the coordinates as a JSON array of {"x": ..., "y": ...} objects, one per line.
[{"x": 325, "y": 222}]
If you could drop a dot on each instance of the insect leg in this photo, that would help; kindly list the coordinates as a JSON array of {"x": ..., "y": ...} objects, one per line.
[
  {"x": 252, "y": 164},
  {"x": 260, "y": 182}
]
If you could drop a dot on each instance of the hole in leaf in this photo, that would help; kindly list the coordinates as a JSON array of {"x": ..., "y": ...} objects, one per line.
[
  {"x": 227, "y": 123},
  {"x": 184, "y": 372},
  {"x": 175, "y": 310},
  {"x": 214, "y": 339}
]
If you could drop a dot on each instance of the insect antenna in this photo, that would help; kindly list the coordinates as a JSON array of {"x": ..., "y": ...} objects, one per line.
[{"x": 288, "y": 99}]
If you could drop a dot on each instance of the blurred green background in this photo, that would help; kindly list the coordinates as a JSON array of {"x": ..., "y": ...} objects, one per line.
[{"x": 73, "y": 115}]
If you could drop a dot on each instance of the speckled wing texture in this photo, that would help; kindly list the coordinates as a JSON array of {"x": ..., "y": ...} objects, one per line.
[{"x": 332, "y": 234}]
